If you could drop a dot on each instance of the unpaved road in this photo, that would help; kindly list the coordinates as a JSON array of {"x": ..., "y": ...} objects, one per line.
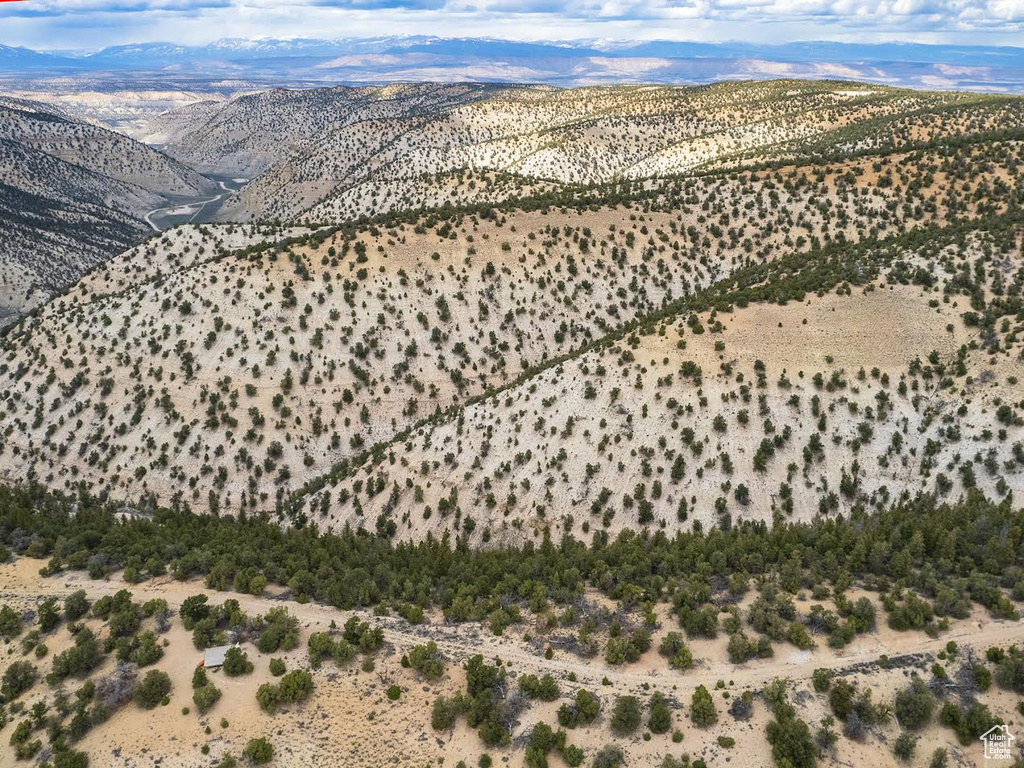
[{"x": 20, "y": 583}]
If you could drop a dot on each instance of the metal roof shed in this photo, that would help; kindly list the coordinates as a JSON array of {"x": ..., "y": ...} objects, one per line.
[{"x": 215, "y": 656}]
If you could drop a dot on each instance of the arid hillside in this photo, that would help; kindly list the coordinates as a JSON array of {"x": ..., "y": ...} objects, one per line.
[
  {"x": 337, "y": 153},
  {"x": 252, "y": 132},
  {"x": 201, "y": 371},
  {"x": 516, "y": 663},
  {"x": 75, "y": 194},
  {"x": 829, "y": 401},
  {"x": 636, "y": 427}
]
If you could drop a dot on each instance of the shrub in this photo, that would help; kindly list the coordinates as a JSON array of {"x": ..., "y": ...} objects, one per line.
[
  {"x": 854, "y": 727},
  {"x": 742, "y": 707},
  {"x": 544, "y": 688},
  {"x": 791, "y": 740},
  {"x": 193, "y": 609},
  {"x": 294, "y": 687},
  {"x": 427, "y": 660},
  {"x": 661, "y": 715},
  {"x": 10, "y": 622},
  {"x": 445, "y": 711},
  {"x": 1010, "y": 671},
  {"x": 790, "y": 737},
  {"x": 673, "y": 647},
  {"x": 982, "y": 677},
  {"x": 205, "y": 696},
  {"x": 81, "y": 658},
  {"x": 702, "y": 708},
  {"x": 152, "y": 689},
  {"x": 76, "y": 605},
  {"x": 609, "y": 756},
  {"x": 236, "y": 663},
  {"x": 115, "y": 689},
  {"x": 17, "y": 679},
  {"x": 904, "y": 747},
  {"x": 141, "y": 650},
  {"x": 70, "y": 758},
  {"x": 626, "y": 715},
  {"x": 268, "y": 697},
  {"x": 49, "y": 616},
  {"x": 572, "y": 755},
  {"x": 840, "y": 698},
  {"x": 968, "y": 724},
  {"x": 914, "y": 705},
  {"x": 280, "y": 633},
  {"x": 362, "y": 636},
  {"x": 822, "y": 679},
  {"x": 277, "y": 667},
  {"x": 322, "y": 645},
  {"x": 259, "y": 751},
  {"x": 582, "y": 711}
]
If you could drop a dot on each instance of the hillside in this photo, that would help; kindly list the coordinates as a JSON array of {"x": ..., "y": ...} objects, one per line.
[
  {"x": 805, "y": 409},
  {"x": 250, "y": 133},
  {"x": 308, "y": 351},
  {"x": 633, "y": 427},
  {"x": 356, "y": 716},
  {"x": 338, "y": 154},
  {"x": 75, "y": 195}
]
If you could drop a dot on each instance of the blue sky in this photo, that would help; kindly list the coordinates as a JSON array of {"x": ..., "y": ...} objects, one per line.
[{"x": 62, "y": 24}]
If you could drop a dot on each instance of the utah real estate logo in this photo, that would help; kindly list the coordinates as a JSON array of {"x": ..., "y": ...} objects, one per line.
[{"x": 998, "y": 743}]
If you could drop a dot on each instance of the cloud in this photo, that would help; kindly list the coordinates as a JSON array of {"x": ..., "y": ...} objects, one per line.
[
  {"x": 73, "y": 8},
  {"x": 363, "y": 5},
  {"x": 97, "y": 23}
]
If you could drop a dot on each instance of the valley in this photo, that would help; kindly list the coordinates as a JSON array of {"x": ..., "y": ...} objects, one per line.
[
  {"x": 75, "y": 195},
  {"x": 189, "y": 211}
]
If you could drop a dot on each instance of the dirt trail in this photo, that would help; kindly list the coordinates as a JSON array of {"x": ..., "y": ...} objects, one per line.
[
  {"x": 187, "y": 207},
  {"x": 20, "y": 582}
]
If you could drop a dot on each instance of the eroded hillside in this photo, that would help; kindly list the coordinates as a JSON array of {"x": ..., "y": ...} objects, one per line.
[
  {"x": 252, "y": 132},
  {"x": 228, "y": 379},
  {"x": 856, "y": 385}
]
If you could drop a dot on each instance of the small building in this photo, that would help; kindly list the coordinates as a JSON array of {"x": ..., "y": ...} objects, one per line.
[{"x": 214, "y": 657}]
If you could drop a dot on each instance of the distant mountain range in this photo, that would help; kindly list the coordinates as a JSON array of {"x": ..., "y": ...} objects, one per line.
[{"x": 391, "y": 59}]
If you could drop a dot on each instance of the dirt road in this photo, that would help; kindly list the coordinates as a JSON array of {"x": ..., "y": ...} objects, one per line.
[{"x": 20, "y": 582}]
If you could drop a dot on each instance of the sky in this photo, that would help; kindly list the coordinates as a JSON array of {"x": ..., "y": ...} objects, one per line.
[{"x": 93, "y": 24}]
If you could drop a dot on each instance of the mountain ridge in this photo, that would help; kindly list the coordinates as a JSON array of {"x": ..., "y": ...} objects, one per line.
[{"x": 578, "y": 62}]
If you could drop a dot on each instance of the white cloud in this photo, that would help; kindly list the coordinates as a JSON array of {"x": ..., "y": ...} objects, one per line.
[{"x": 95, "y": 23}]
